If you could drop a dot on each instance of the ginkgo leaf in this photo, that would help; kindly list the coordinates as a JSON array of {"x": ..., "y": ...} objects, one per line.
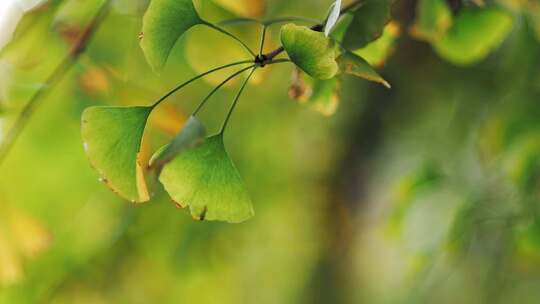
[
  {"x": 313, "y": 52},
  {"x": 190, "y": 136},
  {"x": 164, "y": 23},
  {"x": 333, "y": 17},
  {"x": 112, "y": 139},
  {"x": 474, "y": 34},
  {"x": 367, "y": 24},
  {"x": 353, "y": 64},
  {"x": 433, "y": 20},
  {"x": 205, "y": 180}
]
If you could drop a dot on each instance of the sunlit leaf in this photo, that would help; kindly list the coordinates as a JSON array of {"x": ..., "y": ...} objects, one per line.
[
  {"x": 377, "y": 52},
  {"x": 433, "y": 19},
  {"x": 246, "y": 8},
  {"x": 164, "y": 23},
  {"x": 112, "y": 139},
  {"x": 313, "y": 52},
  {"x": 353, "y": 64},
  {"x": 205, "y": 180},
  {"x": 190, "y": 136},
  {"x": 474, "y": 34},
  {"x": 367, "y": 24}
]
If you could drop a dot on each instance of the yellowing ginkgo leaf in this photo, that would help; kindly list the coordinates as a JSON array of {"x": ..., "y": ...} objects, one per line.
[{"x": 112, "y": 139}]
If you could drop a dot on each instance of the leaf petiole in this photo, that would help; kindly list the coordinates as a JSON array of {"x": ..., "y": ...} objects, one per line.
[
  {"x": 201, "y": 105},
  {"x": 263, "y": 38},
  {"x": 221, "y": 30},
  {"x": 235, "y": 102},
  {"x": 179, "y": 87},
  {"x": 237, "y": 97}
]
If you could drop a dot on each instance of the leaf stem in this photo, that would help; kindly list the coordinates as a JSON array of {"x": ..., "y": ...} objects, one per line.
[
  {"x": 201, "y": 105},
  {"x": 237, "y": 97},
  {"x": 263, "y": 38},
  {"x": 54, "y": 78},
  {"x": 159, "y": 101},
  {"x": 221, "y": 30},
  {"x": 235, "y": 102}
]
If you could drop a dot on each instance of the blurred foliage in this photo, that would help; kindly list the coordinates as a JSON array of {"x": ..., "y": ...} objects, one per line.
[{"x": 425, "y": 193}]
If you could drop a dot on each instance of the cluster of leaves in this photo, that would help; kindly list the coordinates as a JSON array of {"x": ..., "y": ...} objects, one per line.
[{"x": 194, "y": 169}]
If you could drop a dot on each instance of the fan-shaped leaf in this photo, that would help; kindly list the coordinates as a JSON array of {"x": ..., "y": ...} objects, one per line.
[
  {"x": 190, "y": 136},
  {"x": 353, "y": 64},
  {"x": 164, "y": 23},
  {"x": 112, "y": 139},
  {"x": 474, "y": 34},
  {"x": 367, "y": 24},
  {"x": 205, "y": 179},
  {"x": 313, "y": 52}
]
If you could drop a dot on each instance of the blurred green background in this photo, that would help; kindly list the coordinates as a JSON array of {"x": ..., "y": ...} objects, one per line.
[{"x": 425, "y": 193}]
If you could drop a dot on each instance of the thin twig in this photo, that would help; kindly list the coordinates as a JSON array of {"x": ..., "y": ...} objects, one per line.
[{"x": 56, "y": 76}]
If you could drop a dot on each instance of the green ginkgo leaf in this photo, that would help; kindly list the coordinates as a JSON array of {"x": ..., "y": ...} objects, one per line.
[
  {"x": 474, "y": 34},
  {"x": 367, "y": 24},
  {"x": 205, "y": 180},
  {"x": 353, "y": 64},
  {"x": 164, "y": 23},
  {"x": 311, "y": 51},
  {"x": 112, "y": 139},
  {"x": 190, "y": 136}
]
